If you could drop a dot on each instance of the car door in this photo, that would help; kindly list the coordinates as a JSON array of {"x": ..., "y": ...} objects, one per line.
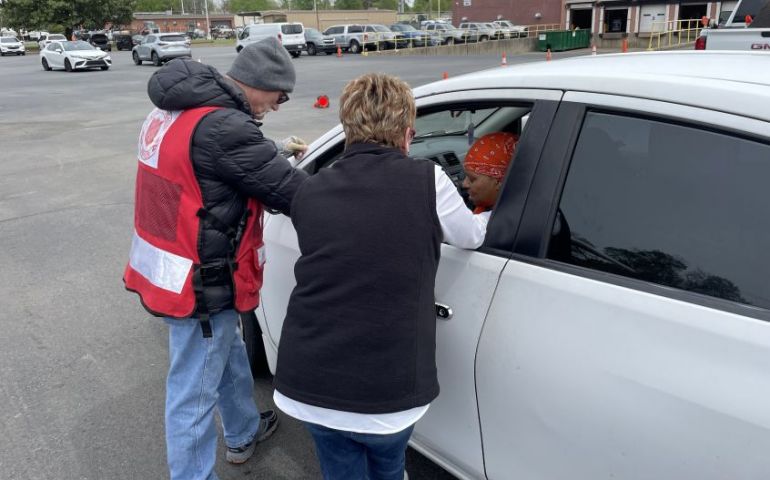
[
  {"x": 465, "y": 283},
  {"x": 55, "y": 55},
  {"x": 145, "y": 48},
  {"x": 628, "y": 336}
]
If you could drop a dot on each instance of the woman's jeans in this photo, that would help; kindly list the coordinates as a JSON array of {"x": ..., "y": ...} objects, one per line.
[
  {"x": 360, "y": 456},
  {"x": 205, "y": 373}
]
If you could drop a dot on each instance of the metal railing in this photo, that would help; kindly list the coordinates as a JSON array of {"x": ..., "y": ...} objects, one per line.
[{"x": 671, "y": 33}]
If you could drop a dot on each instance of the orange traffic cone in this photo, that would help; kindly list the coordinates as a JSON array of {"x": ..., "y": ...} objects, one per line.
[
  {"x": 593, "y": 49},
  {"x": 339, "y": 51},
  {"x": 624, "y": 46},
  {"x": 504, "y": 62},
  {"x": 321, "y": 102},
  {"x": 548, "y": 55},
  {"x": 445, "y": 75}
]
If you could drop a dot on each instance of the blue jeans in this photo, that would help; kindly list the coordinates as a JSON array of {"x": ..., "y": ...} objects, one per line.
[
  {"x": 360, "y": 456},
  {"x": 205, "y": 373}
]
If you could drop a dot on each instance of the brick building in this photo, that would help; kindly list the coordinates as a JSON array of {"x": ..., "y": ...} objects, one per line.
[{"x": 520, "y": 12}]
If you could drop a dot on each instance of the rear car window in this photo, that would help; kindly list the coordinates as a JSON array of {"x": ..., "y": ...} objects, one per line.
[
  {"x": 674, "y": 205},
  {"x": 291, "y": 29},
  {"x": 173, "y": 38}
]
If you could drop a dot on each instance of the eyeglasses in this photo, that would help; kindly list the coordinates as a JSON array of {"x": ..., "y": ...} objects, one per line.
[{"x": 283, "y": 98}]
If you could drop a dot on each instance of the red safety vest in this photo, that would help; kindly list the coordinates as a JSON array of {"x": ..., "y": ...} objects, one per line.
[{"x": 164, "y": 265}]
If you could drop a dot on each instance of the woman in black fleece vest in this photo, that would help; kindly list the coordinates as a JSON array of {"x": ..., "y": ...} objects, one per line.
[{"x": 356, "y": 360}]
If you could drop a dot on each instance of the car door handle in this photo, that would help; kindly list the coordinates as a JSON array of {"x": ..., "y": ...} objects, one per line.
[{"x": 443, "y": 312}]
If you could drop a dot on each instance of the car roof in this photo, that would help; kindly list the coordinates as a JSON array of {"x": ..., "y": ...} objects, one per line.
[{"x": 734, "y": 82}]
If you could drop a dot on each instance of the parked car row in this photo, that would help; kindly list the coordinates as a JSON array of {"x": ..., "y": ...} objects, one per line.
[{"x": 357, "y": 38}]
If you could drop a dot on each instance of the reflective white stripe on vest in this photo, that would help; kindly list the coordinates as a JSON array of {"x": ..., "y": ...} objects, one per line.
[{"x": 161, "y": 268}]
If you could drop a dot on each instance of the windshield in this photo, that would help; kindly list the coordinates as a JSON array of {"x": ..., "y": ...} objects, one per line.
[
  {"x": 8, "y": 40},
  {"x": 380, "y": 28},
  {"x": 57, "y": 37},
  {"x": 450, "y": 122},
  {"x": 79, "y": 45}
]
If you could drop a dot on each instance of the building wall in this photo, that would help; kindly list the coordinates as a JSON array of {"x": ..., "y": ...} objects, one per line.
[
  {"x": 522, "y": 12},
  {"x": 179, "y": 23},
  {"x": 327, "y": 18}
]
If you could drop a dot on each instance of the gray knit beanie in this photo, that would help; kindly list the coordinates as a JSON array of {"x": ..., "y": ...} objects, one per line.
[{"x": 265, "y": 65}]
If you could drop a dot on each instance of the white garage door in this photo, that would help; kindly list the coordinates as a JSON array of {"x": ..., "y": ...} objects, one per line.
[{"x": 652, "y": 18}]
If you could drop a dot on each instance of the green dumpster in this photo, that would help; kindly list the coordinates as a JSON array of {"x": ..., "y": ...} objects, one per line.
[{"x": 560, "y": 40}]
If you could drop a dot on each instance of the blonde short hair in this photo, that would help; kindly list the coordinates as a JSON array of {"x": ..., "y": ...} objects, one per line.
[{"x": 377, "y": 108}]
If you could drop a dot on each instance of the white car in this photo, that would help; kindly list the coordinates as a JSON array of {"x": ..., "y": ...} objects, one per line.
[
  {"x": 70, "y": 56},
  {"x": 615, "y": 323},
  {"x": 11, "y": 46},
  {"x": 291, "y": 35},
  {"x": 47, "y": 38},
  {"x": 159, "y": 48}
]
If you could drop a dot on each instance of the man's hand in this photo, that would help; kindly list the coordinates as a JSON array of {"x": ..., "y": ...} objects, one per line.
[{"x": 293, "y": 145}]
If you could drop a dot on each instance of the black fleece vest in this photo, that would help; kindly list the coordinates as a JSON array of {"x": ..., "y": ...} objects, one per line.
[{"x": 360, "y": 330}]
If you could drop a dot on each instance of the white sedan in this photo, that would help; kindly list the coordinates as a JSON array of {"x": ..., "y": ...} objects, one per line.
[
  {"x": 70, "y": 56},
  {"x": 615, "y": 323}
]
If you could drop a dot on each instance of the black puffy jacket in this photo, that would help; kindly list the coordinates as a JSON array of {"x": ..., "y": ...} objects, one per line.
[{"x": 231, "y": 158}]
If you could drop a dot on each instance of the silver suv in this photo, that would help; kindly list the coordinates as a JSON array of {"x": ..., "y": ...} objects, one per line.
[
  {"x": 161, "y": 47},
  {"x": 480, "y": 30},
  {"x": 449, "y": 35}
]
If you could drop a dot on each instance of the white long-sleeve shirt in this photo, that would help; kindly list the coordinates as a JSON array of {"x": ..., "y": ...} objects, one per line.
[{"x": 462, "y": 229}]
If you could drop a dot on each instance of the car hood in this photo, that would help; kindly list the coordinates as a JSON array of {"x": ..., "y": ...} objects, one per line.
[
  {"x": 91, "y": 54},
  {"x": 184, "y": 83}
]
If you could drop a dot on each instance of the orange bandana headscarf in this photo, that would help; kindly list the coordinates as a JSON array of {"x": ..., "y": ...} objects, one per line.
[{"x": 491, "y": 154}]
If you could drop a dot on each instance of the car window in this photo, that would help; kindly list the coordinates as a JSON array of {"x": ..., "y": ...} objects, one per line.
[
  {"x": 293, "y": 28},
  {"x": 450, "y": 121},
  {"x": 333, "y": 31},
  {"x": 244, "y": 34},
  {"x": 355, "y": 29},
  {"x": 674, "y": 205},
  {"x": 7, "y": 40},
  {"x": 173, "y": 38},
  {"x": 369, "y": 28},
  {"x": 78, "y": 45},
  {"x": 149, "y": 39}
]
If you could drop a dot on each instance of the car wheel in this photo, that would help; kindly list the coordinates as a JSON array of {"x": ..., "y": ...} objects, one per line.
[
  {"x": 156, "y": 59},
  {"x": 354, "y": 47},
  {"x": 137, "y": 60},
  {"x": 450, "y": 41},
  {"x": 330, "y": 53},
  {"x": 255, "y": 349},
  {"x": 67, "y": 65},
  {"x": 483, "y": 38},
  {"x": 2, "y": 54},
  {"x": 46, "y": 67},
  {"x": 311, "y": 50},
  {"x": 23, "y": 54},
  {"x": 296, "y": 54},
  {"x": 105, "y": 67}
]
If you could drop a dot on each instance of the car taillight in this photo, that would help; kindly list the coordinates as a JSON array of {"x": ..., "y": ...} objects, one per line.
[{"x": 700, "y": 43}]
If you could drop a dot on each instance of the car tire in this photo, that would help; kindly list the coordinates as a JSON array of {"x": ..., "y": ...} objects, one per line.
[
  {"x": 354, "y": 47},
  {"x": 330, "y": 53},
  {"x": 137, "y": 60},
  {"x": 255, "y": 349},
  {"x": 311, "y": 50},
  {"x": 67, "y": 65},
  {"x": 2, "y": 54},
  {"x": 296, "y": 54},
  {"x": 156, "y": 59},
  {"x": 483, "y": 38},
  {"x": 46, "y": 67},
  {"x": 23, "y": 54},
  {"x": 106, "y": 67},
  {"x": 450, "y": 41}
]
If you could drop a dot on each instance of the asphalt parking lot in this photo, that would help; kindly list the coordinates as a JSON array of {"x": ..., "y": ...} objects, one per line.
[{"x": 82, "y": 365}]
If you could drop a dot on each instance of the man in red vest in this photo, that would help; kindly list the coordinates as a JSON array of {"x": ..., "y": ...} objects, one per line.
[{"x": 205, "y": 172}]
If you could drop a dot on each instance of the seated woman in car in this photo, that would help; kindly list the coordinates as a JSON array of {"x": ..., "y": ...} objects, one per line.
[{"x": 485, "y": 165}]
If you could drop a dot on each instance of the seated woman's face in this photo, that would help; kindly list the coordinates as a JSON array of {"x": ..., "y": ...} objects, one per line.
[{"x": 482, "y": 189}]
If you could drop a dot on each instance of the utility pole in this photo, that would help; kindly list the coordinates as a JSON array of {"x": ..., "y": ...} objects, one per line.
[
  {"x": 208, "y": 24},
  {"x": 182, "y": 2},
  {"x": 317, "y": 21}
]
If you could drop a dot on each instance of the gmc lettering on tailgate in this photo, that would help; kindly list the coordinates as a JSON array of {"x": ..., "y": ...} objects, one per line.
[{"x": 760, "y": 46}]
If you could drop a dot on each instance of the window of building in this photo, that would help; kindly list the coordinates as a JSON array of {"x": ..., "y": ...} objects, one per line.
[
  {"x": 669, "y": 204},
  {"x": 615, "y": 20}
]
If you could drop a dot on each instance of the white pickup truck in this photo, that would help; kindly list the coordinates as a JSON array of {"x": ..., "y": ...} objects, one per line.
[{"x": 739, "y": 33}]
